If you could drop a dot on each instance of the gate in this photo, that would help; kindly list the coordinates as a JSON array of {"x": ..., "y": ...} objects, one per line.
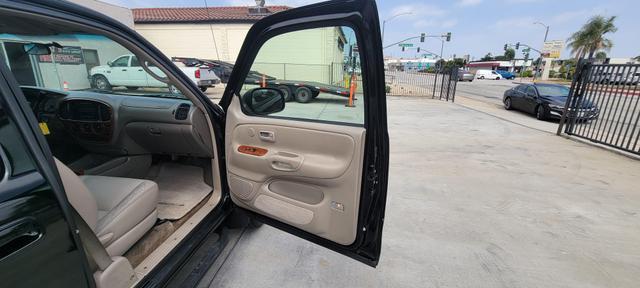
[
  {"x": 603, "y": 107},
  {"x": 434, "y": 83}
]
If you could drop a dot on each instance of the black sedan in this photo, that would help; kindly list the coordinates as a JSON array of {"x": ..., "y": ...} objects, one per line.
[{"x": 546, "y": 101}]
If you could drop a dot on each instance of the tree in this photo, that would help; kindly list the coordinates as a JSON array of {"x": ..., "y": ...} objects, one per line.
[
  {"x": 487, "y": 57},
  {"x": 637, "y": 58},
  {"x": 601, "y": 55},
  {"x": 591, "y": 37},
  {"x": 509, "y": 54}
]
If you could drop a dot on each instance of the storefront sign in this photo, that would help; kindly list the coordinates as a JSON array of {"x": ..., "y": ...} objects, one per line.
[{"x": 67, "y": 55}]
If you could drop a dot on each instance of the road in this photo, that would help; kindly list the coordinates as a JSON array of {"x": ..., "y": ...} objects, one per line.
[
  {"x": 474, "y": 201},
  {"x": 489, "y": 91}
]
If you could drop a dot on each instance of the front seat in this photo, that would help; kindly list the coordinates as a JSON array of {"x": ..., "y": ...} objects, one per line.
[{"x": 118, "y": 210}]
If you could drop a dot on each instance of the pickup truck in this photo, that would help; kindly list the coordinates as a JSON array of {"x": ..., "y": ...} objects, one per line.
[{"x": 126, "y": 71}]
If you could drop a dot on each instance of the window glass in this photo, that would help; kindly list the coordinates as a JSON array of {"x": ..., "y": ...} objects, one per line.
[
  {"x": 121, "y": 62},
  {"x": 135, "y": 62},
  {"x": 318, "y": 71},
  {"x": 531, "y": 91},
  {"x": 13, "y": 147},
  {"x": 81, "y": 62},
  {"x": 521, "y": 88}
]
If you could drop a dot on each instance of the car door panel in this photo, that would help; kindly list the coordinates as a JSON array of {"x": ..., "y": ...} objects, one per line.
[
  {"x": 319, "y": 194},
  {"x": 320, "y": 178}
]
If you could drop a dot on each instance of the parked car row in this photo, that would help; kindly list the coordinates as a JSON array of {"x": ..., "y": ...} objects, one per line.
[{"x": 624, "y": 77}]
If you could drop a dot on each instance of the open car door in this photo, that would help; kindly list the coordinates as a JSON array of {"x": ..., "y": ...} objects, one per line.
[{"x": 315, "y": 166}]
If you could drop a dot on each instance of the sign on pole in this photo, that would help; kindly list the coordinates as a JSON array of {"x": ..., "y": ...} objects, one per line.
[
  {"x": 405, "y": 44},
  {"x": 552, "y": 49}
]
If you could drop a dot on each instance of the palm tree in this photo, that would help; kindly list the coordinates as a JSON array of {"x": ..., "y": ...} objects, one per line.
[{"x": 590, "y": 38}]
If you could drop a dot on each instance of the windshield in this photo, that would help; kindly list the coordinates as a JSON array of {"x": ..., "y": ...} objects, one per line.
[
  {"x": 80, "y": 62},
  {"x": 554, "y": 91}
]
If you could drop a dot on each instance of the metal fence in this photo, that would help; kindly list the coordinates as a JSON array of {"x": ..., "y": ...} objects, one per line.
[
  {"x": 603, "y": 106},
  {"x": 434, "y": 83}
]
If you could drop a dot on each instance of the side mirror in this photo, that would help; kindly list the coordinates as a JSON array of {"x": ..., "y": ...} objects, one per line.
[
  {"x": 263, "y": 101},
  {"x": 36, "y": 49},
  {"x": 109, "y": 63}
]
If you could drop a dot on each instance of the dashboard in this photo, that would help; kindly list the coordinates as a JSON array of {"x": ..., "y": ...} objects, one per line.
[
  {"x": 118, "y": 124},
  {"x": 90, "y": 120}
]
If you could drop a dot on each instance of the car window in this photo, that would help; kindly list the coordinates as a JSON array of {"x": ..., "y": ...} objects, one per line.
[
  {"x": 80, "y": 62},
  {"x": 318, "y": 70},
  {"x": 521, "y": 88},
  {"x": 13, "y": 148},
  {"x": 121, "y": 62},
  {"x": 553, "y": 90},
  {"x": 135, "y": 62},
  {"x": 531, "y": 91}
]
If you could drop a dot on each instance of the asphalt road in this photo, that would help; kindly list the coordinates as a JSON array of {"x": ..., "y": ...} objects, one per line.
[{"x": 489, "y": 91}]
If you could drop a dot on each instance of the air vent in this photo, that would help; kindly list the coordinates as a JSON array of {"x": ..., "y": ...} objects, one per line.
[{"x": 183, "y": 111}]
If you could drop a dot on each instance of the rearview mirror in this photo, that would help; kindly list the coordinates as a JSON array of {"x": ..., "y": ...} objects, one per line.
[
  {"x": 36, "y": 49},
  {"x": 263, "y": 101},
  {"x": 109, "y": 63}
]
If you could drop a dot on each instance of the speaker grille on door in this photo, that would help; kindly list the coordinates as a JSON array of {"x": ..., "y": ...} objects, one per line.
[{"x": 183, "y": 111}]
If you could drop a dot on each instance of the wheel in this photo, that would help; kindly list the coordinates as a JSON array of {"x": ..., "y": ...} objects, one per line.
[
  {"x": 541, "y": 114},
  {"x": 132, "y": 87},
  {"x": 203, "y": 88},
  {"x": 497, "y": 78},
  {"x": 315, "y": 94},
  {"x": 286, "y": 92},
  {"x": 304, "y": 95},
  {"x": 481, "y": 77},
  {"x": 101, "y": 82},
  {"x": 507, "y": 103},
  {"x": 174, "y": 89}
]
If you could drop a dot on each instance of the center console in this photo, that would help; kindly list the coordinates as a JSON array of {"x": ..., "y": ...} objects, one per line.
[{"x": 87, "y": 120}]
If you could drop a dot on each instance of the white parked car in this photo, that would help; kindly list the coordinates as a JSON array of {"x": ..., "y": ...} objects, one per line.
[
  {"x": 126, "y": 71},
  {"x": 488, "y": 74}
]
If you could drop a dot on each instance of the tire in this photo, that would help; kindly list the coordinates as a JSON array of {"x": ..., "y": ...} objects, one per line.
[
  {"x": 286, "y": 91},
  {"x": 303, "y": 95},
  {"x": 481, "y": 77},
  {"x": 315, "y": 94},
  {"x": 507, "y": 103},
  {"x": 541, "y": 113},
  {"x": 203, "y": 88},
  {"x": 132, "y": 87},
  {"x": 497, "y": 78},
  {"x": 101, "y": 82}
]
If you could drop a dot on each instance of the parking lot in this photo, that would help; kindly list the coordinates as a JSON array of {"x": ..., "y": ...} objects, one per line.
[{"x": 474, "y": 201}]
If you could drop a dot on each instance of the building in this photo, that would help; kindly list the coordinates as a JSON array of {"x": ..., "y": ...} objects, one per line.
[
  {"x": 68, "y": 66},
  {"x": 208, "y": 33},
  {"x": 511, "y": 66},
  {"x": 417, "y": 64},
  {"x": 122, "y": 14}
]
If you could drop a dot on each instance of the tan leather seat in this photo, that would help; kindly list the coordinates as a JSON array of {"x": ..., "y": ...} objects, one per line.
[{"x": 119, "y": 210}]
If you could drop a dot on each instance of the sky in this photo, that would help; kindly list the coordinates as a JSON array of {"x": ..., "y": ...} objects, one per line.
[{"x": 478, "y": 27}]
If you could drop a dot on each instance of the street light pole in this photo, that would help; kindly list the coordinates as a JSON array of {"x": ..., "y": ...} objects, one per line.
[
  {"x": 546, "y": 33},
  {"x": 384, "y": 22}
]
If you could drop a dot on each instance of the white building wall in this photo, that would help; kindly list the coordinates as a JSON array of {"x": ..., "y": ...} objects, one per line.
[
  {"x": 196, "y": 40},
  {"x": 122, "y": 14}
]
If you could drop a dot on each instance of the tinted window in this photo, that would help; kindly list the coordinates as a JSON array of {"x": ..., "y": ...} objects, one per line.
[
  {"x": 521, "y": 88},
  {"x": 531, "y": 91},
  {"x": 553, "y": 90}
]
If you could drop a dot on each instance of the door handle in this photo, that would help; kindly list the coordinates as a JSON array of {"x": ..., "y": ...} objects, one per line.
[
  {"x": 268, "y": 136},
  {"x": 124, "y": 69},
  {"x": 285, "y": 161},
  {"x": 18, "y": 234},
  {"x": 139, "y": 70}
]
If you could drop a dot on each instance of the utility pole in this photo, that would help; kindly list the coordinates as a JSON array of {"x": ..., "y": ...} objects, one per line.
[{"x": 546, "y": 33}]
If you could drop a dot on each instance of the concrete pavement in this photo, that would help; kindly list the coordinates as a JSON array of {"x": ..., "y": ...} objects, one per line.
[{"x": 474, "y": 201}]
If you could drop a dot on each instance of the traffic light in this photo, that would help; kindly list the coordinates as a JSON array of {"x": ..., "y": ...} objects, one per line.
[
  {"x": 402, "y": 48},
  {"x": 505, "y": 47},
  {"x": 448, "y": 36},
  {"x": 418, "y": 49},
  {"x": 517, "y": 45},
  {"x": 422, "y": 37}
]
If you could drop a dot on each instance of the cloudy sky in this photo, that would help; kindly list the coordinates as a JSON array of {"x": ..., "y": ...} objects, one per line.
[{"x": 477, "y": 26}]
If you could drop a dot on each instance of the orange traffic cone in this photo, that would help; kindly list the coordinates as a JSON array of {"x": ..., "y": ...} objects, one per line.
[{"x": 352, "y": 90}]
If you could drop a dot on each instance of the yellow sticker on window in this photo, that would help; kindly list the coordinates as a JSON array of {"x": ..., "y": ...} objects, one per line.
[{"x": 44, "y": 128}]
